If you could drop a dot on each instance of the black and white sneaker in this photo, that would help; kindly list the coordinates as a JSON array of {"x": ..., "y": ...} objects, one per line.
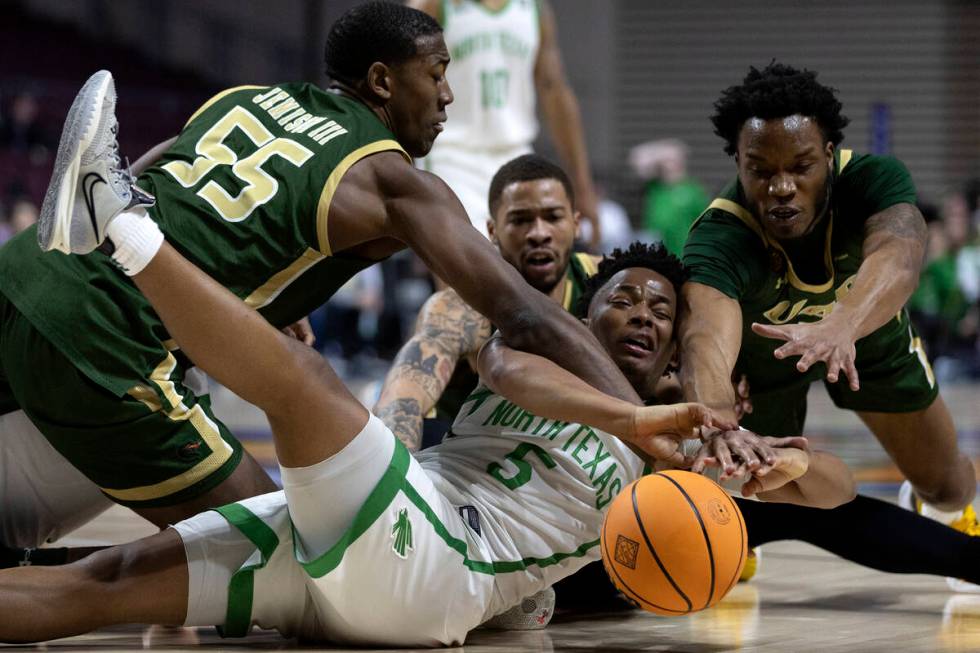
[{"x": 89, "y": 186}]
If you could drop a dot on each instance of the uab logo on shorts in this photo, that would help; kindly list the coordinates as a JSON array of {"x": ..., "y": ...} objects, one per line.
[{"x": 401, "y": 535}]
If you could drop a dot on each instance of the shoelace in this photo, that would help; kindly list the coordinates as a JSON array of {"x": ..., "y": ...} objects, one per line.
[{"x": 119, "y": 174}]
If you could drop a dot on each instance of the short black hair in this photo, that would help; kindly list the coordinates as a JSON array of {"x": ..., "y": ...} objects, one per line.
[
  {"x": 374, "y": 31},
  {"x": 527, "y": 167},
  {"x": 653, "y": 256},
  {"x": 778, "y": 91}
]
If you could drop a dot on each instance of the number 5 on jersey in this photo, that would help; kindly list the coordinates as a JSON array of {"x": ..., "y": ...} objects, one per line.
[
  {"x": 523, "y": 473},
  {"x": 260, "y": 186}
]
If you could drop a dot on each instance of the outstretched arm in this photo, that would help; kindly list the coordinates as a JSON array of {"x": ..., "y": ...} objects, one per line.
[
  {"x": 894, "y": 246},
  {"x": 424, "y": 213},
  {"x": 547, "y": 390},
  {"x": 782, "y": 470},
  {"x": 563, "y": 118},
  {"x": 710, "y": 336},
  {"x": 446, "y": 331}
]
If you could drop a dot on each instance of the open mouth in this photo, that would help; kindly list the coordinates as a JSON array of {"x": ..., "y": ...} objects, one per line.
[
  {"x": 637, "y": 345},
  {"x": 539, "y": 259},
  {"x": 783, "y": 213}
]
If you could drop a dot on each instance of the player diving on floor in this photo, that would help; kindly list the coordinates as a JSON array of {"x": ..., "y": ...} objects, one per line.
[{"x": 370, "y": 520}]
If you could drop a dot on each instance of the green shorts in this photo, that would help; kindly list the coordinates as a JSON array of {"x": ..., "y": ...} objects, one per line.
[
  {"x": 894, "y": 372},
  {"x": 158, "y": 445}
]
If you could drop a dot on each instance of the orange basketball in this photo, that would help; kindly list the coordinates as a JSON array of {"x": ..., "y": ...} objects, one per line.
[{"x": 674, "y": 542}]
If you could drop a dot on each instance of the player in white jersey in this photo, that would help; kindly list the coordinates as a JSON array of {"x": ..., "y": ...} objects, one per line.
[
  {"x": 505, "y": 61},
  {"x": 367, "y": 545}
]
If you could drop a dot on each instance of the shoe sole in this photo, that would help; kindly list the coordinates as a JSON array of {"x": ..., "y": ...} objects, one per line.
[{"x": 83, "y": 116}]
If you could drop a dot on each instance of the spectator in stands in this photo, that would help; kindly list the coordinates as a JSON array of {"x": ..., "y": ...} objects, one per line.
[
  {"x": 23, "y": 214},
  {"x": 20, "y": 130},
  {"x": 672, "y": 200},
  {"x": 944, "y": 306}
]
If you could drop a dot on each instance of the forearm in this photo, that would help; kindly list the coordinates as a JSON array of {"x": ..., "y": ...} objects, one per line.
[
  {"x": 546, "y": 390},
  {"x": 892, "y": 252},
  {"x": 710, "y": 337},
  {"x": 402, "y": 413},
  {"x": 827, "y": 483},
  {"x": 556, "y": 335},
  {"x": 885, "y": 281}
]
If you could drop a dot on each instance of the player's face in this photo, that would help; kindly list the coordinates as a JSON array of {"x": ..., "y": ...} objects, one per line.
[
  {"x": 633, "y": 318},
  {"x": 534, "y": 227},
  {"x": 420, "y": 94},
  {"x": 784, "y": 167}
]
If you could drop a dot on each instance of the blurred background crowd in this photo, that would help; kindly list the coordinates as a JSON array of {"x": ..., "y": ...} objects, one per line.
[{"x": 652, "y": 187}]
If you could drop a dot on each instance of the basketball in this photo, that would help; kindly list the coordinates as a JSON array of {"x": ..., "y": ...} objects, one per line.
[{"x": 673, "y": 542}]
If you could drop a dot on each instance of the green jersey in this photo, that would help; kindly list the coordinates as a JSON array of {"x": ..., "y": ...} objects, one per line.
[
  {"x": 245, "y": 194},
  {"x": 728, "y": 250},
  {"x": 464, "y": 379}
]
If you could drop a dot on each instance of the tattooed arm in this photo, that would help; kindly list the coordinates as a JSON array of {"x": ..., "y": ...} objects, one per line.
[{"x": 446, "y": 331}]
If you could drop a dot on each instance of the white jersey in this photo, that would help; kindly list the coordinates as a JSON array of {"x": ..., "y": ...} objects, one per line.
[
  {"x": 509, "y": 504},
  {"x": 540, "y": 487},
  {"x": 491, "y": 73}
]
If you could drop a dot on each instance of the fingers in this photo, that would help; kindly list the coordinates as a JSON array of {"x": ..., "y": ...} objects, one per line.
[
  {"x": 702, "y": 462},
  {"x": 769, "y": 331},
  {"x": 852, "y": 374},
  {"x": 724, "y": 456}
]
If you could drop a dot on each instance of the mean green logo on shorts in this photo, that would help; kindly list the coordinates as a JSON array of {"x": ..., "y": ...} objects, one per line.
[{"x": 401, "y": 534}]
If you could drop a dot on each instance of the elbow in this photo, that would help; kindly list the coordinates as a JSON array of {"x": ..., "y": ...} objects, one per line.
[
  {"x": 526, "y": 330},
  {"x": 495, "y": 366}
]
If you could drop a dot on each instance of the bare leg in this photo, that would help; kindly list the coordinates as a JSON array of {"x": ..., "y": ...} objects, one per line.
[
  {"x": 233, "y": 343},
  {"x": 923, "y": 445},
  {"x": 141, "y": 582}
]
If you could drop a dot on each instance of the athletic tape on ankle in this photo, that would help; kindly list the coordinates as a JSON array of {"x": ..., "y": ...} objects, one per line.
[{"x": 137, "y": 239}]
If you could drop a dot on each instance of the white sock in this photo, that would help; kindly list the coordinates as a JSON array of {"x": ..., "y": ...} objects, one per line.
[
  {"x": 940, "y": 516},
  {"x": 137, "y": 239}
]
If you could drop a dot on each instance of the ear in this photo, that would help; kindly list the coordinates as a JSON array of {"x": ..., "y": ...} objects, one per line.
[
  {"x": 379, "y": 81},
  {"x": 674, "y": 364},
  {"x": 577, "y": 220},
  {"x": 829, "y": 151},
  {"x": 491, "y": 231}
]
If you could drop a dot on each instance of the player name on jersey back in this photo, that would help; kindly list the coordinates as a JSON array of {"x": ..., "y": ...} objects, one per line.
[{"x": 295, "y": 119}]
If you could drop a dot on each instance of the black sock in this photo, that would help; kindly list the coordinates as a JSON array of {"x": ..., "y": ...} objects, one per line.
[{"x": 869, "y": 532}]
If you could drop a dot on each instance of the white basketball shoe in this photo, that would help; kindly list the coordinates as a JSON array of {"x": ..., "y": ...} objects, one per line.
[
  {"x": 89, "y": 186},
  {"x": 532, "y": 613}
]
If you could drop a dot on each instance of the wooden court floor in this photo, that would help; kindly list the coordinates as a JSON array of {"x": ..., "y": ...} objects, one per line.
[{"x": 801, "y": 600}]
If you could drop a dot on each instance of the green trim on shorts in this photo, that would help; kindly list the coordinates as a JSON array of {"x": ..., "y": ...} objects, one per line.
[
  {"x": 377, "y": 502},
  {"x": 393, "y": 481},
  {"x": 241, "y": 587}
]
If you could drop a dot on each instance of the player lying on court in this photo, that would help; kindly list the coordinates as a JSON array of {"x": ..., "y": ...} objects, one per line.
[
  {"x": 281, "y": 194},
  {"x": 373, "y": 524}
]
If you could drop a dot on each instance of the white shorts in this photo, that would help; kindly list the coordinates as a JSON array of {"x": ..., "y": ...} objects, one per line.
[
  {"x": 468, "y": 173},
  {"x": 407, "y": 571},
  {"x": 42, "y": 496}
]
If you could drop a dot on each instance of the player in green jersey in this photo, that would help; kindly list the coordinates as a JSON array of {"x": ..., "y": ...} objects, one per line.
[
  {"x": 281, "y": 193},
  {"x": 534, "y": 226},
  {"x": 800, "y": 271}
]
